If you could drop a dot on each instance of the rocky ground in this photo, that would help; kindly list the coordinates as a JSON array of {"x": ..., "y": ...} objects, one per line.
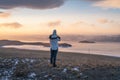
[
  {"x": 21, "y": 64},
  {"x": 40, "y": 69}
]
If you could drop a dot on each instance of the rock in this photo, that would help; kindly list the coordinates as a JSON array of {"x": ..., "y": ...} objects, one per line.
[
  {"x": 21, "y": 70},
  {"x": 53, "y": 75},
  {"x": 80, "y": 75}
]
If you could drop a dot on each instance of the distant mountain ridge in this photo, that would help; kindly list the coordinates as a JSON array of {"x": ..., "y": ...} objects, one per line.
[
  {"x": 14, "y": 42},
  {"x": 96, "y": 38},
  {"x": 85, "y": 41}
]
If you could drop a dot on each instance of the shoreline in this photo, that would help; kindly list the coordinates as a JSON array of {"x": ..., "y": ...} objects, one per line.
[
  {"x": 75, "y": 52},
  {"x": 33, "y": 53}
]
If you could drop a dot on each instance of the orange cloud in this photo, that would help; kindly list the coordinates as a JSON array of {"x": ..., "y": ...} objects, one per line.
[
  {"x": 82, "y": 27},
  {"x": 55, "y": 23},
  {"x": 11, "y": 25},
  {"x": 83, "y": 24},
  {"x": 4, "y": 14},
  {"x": 103, "y": 21},
  {"x": 108, "y": 3}
]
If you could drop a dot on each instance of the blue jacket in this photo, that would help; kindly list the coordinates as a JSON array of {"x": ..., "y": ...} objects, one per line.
[{"x": 54, "y": 42}]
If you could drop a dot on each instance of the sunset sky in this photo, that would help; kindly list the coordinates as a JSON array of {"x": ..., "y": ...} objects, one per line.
[{"x": 40, "y": 17}]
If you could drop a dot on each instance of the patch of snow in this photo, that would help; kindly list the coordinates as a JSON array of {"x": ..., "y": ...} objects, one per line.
[
  {"x": 75, "y": 69},
  {"x": 31, "y": 61},
  {"x": 64, "y": 70},
  {"x": 32, "y": 75},
  {"x": 16, "y": 61},
  {"x": 48, "y": 60},
  {"x": 27, "y": 60},
  {"x": 85, "y": 77},
  {"x": 23, "y": 60},
  {"x": 49, "y": 79},
  {"x": 81, "y": 74},
  {"x": 46, "y": 76},
  {"x": 53, "y": 75},
  {"x": 5, "y": 73},
  {"x": 5, "y": 78}
]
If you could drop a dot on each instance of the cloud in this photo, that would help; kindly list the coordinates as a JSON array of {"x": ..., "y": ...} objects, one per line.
[
  {"x": 11, "y": 25},
  {"x": 93, "y": 0},
  {"x": 103, "y": 21},
  {"x": 107, "y": 3},
  {"x": 83, "y": 27},
  {"x": 83, "y": 24},
  {"x": 55, "y": 23},
  {"x": 34, "y": 4},
  {"x": 4, "y": 14}
]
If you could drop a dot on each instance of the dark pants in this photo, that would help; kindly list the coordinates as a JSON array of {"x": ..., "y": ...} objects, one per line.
[{"x": 53, "y": 56}]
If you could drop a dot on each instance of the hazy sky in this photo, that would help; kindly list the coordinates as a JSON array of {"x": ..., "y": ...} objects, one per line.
[{"x": 40, "y": 17}]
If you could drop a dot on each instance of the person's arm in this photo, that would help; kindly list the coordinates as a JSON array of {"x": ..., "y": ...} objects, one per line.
[
  {"x": 59, "y": 39},
  {"x": 50, "y": 37}
]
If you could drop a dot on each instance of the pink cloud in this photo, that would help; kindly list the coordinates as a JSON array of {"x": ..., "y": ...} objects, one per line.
[
  {"x": 107, "y": 3},
  {"x": 103, "y": 21},
  {"x": 4, "y": 14},
  {"x": 54, "y": 23},
  {"x": 11, "y": 25}
]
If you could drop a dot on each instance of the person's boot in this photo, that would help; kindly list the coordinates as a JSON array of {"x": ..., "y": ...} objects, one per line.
[{"x": 54, "y": 65}]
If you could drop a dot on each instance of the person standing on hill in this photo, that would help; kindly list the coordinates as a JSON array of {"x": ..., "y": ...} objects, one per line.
[{"x": 54, "y": 38}]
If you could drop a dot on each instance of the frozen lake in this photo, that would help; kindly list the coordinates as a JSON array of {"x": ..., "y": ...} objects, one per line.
[{"x": 111, "y": 49}]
